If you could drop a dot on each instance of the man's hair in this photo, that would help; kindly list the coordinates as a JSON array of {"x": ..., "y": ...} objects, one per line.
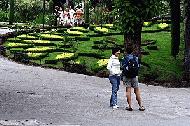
[{"x": 114, "y": 50}]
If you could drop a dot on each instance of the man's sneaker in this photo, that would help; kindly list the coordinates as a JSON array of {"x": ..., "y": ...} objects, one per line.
[{"x": 115, "y": 107}]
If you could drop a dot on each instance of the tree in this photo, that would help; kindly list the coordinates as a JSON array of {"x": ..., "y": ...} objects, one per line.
[
  {"x": 86, "y": 11},
  {"x": 4, "y": 5},
  {"x": 11, "y": 11},
  {"x": 130, "y": 15},
  {"x": 175, "y": 26},
  {"x": 187, "y": 41}
]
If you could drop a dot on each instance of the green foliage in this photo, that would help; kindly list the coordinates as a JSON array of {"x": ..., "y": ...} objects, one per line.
[
  {"x": 132, "y": 13},
  {"x": 28, "y": 10},
  {"x": 86, "y": 12},
  {"x": 11, "y": 11},
  {"x": 162, "y": 65},
  {"x": 3, "y": 16},
  {"x": 51, "y": 6}
]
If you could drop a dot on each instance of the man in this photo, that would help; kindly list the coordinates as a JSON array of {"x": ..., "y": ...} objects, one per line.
[{"x": 130, "y": 66}]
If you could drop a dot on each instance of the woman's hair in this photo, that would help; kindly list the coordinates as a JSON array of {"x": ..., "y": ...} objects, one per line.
[{"x": 114, "y": 50}]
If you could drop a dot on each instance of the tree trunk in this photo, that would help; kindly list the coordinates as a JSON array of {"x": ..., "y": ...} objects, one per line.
[
  {"x": 86, "y": 11},
  {"x": 133, "y": 40},
  {"x": 187, "y": 42},
  {"x": 11, "y": 12},
  {"x": 175, "y": 26}
]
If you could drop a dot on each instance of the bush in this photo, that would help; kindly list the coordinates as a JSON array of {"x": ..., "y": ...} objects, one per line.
[
  {"x": 36, "y": 56},
  {"x": 3, "y": 16}
]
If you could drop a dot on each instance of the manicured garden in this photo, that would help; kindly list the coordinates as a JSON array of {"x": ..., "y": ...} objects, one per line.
[{"x": 87, "y": 51}]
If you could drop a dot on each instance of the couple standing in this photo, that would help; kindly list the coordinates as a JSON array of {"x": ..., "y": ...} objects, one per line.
[{"x": 129, "y": 80}]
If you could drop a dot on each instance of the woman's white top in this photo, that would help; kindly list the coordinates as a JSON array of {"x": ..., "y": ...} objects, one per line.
[{"x": 114, "y": 66}]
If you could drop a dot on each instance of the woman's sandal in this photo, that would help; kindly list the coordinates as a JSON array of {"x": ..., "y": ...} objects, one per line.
[
  {"x": 128, "y": 109},
  {"x": 142, "y": 108}
]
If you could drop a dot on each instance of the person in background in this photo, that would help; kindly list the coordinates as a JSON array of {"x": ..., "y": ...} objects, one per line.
[
  {"x": 71, "y": 13},
  {"x": 114, "y": 76}
]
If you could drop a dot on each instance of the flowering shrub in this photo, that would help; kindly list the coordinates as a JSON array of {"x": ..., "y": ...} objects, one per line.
[
  {"x": 64, "y": 56},
  {"x": 102, "y": 62},
  {"x": 24, "y": 36},
  {"x": 77, "y": 62},
  {"x": 40, "y": 49},
  {"x": 108, "y": 25},
  {"x": 74, "y": 32},
  {"x": 146, "y": 24},
  {"x": 81, "y": 29},
  {"x": 51, "y": 36},
  {"x": 163, "y": 26},
  {"x": 34, "y": 55},
  {"x": 11, "y": 44},
  {"x": 101, "y": 29},
  {"x": 36, "y": 41}
]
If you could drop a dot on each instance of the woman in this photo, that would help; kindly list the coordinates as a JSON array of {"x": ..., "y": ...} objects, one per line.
[{"x": 114, "y": 76}]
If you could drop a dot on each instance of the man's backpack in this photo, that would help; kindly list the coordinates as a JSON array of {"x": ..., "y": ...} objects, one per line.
[{"x": 130, "y": 66}]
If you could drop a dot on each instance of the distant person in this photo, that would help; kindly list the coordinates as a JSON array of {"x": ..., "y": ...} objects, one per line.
[
  {"x": 71, "y": 13},
  {"x": 130, "y": 68},
  {"x": 61, "y": 16},
  {"x": 114, "y": 76},
  {"x": 66, "y": 17},
  {"x": 78, "y": 17}
]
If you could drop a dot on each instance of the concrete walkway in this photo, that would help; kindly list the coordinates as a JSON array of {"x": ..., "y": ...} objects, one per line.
[
  {"x": 37, "y": 96},
  {"x": 5, "y": 30}
]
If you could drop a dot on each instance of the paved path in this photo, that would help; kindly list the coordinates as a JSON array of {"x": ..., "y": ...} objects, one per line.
[
  {"x": 5, "y": 30},
  {"x": 37, "y": 96}
]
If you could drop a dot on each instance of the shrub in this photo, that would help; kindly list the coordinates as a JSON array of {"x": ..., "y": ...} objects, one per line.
[
  {"x": 82, "y": 38},
  {"x": 14, "y": 40},
  {"x": 51, "y": 37},
  {"x": 41, "y": 49},
  {"x": 147, "y": 24},
  {"x": 36, "y": 56},
  {"x": 14, "y": 50},
  {"x": 65, "y": 56},
  {"x": 81, "y": 29},
  {"x": 39, "y": 42},
  {"x": 101, "y": 30},
  {"x": 102, "y": 62},
  {"x": 74, "y": 33},
  {"x": 3, "y": 16},
  {"x": 17, "y": 45},
  {"x": 24, "y": 36},
  {"x": 163, "y": 26}
]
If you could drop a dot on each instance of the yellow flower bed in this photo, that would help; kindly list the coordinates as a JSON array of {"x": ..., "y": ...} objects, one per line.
[
  {"x": 39, "y": 49},
  {"x": 33, "y": 55},
  {"x": 101, "y": 29},
  {"x": 37, "y": 41},
  {"x": 26, "y": 36},
  {"x": 78, "y": 28},
  {"x": 64, "y": 55},
  {"x": 77, "y": 62},
  {"x": 102, "y": 62},
  {"x": 163, "y": 25},
  {"x": 11, "y": 44},
  {"x": 74, "y": 32},
  {"x": 108, "y": 25},
  {"x": 51, "y": 36},
  {"x": 146, "y": 24}
]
